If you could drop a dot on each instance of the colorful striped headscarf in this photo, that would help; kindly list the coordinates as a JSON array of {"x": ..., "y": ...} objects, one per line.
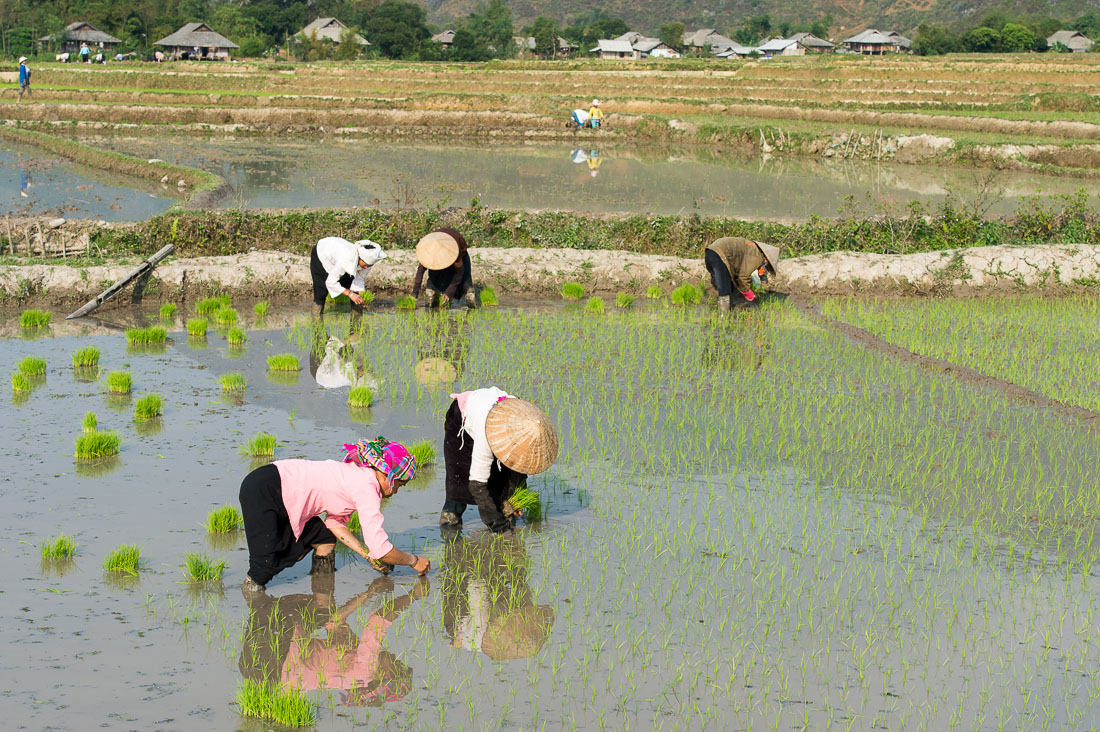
[{"x": 389, "y": 458}]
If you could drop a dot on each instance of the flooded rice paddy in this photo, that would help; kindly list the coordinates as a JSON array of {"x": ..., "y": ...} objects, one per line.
[
  {"x": 752, "y": 524},
  {"x": 269, "y": 173}
]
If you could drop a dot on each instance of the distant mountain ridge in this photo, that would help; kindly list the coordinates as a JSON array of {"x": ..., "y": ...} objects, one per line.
[{"x": 848, "y": 15}]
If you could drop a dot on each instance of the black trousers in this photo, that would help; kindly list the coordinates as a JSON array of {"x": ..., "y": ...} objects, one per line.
[
  {"x": 719, "y": 273},
  {"x": 458, "y": 449},
  {"x": 440, "y": 279},
  {"x": 319, "y": 274},
  {"x": 271, "y": 543}
]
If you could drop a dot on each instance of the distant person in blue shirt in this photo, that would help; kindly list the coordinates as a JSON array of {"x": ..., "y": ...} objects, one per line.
[{"x": 24, "y": 79}]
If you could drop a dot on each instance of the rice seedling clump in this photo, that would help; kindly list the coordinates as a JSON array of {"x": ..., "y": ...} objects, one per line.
[
  {"x": 86, "y": 357},
  {"x": 623, "y": 300},
  {"x": 34, "y": 319},
  {"x": 354, "y": 525},
  {"x": 284, "y": 362},
  {"x": 527, "y": 500},
  {"x": 424, "y": 452},
  {"x": 284, "y": 705},
  {"x": 572, "y": 291},
  {"x": 225, "y": 316},
  {"x": 594, "y": 306},
  {"x": 94, "y": 445},
  {"x": 360, "y": 396},
  {"x": 687, "y": 294},
  {"x": 20, "y": 382},
  {"x": 367, "y": 296},
  {"x": 233, "y": 382},
  {"x": 201, "y": 568},
  {"x": 90, "y": 423},
  {"x": 148, "y": 407},
  {"x": 262, "y": 445},
  {"x": 197, "y": 326},
  {"x": 407, "y": 302},
  {"x": 119, "y": 382},
  {"x": 260, "y": 309},
  {"x": 167, "y": 310},
  {"x": 32, "y": 366},
  {"x": 224, "y": 519},
  {"x": 653, "y": 292},
  {"x": 62, "y": 547},
  {"x": 235, "y": 336},
  {"x": 488, "y": 297},
  {"x": 209, "y": 306},
  {"x": 126, "y": 560},
  {"x": 145, "y": 336}
]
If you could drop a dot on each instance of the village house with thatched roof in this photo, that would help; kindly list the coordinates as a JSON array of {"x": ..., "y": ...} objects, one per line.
[
  {"x": 444, "y": 38},
  {"x": 81, "y": 32},
  {"x": 873, "y": 42},
  {"x": 1074, "y": 41},
  {"x": 812, "y": 43},
  {"x": 329, "y": 29},
  {"x": 197, "y": 41}
]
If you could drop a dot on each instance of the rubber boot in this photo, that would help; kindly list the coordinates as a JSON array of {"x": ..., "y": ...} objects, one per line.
[
  {"x": 724, "y": 303},
  {"x": 323, "y": 565},
  {"x": 251, "y": 589},
  {"x": 449, "y": 518},
  {"x": 317, "y": 310},
  {"x": 471, "y": 300}
]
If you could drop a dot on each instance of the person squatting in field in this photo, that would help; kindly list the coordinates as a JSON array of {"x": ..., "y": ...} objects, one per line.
[
  {"x": 734, "y": 262},
  {"x": 282, "y": 503},
  {"x": 443, "y": 255},
  {"x": 339, "y": 267}
]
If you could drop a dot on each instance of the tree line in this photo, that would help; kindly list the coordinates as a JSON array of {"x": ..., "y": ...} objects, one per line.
[{"x": 999, "y": 32}]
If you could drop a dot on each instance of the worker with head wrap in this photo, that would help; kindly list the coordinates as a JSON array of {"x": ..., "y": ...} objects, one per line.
[{"x": 338, "y": 267}]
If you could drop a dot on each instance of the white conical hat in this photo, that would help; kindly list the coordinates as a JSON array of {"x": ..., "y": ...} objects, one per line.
[
  {"x": 771, "y": 254},
  {"x": 437, "y": 250},
  {"x": 521, "y": 436}
]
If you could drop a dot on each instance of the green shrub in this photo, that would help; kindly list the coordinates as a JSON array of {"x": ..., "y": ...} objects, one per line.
[
  {"x": 224, "y": 519},
  {"x": 35, "y": 319},
  {"x": 572, "y": 291},
  {"x": 87, "y": 357},
  {"x": 32, "y": 366},
  {"x": 148, "y": 407},
  {"x": 95, "y": 445},
  {"x": 126, "y": 560},
  {"x": 284, "y": 362}
]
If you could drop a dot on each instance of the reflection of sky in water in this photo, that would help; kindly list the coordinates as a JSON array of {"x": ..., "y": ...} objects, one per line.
[{"x": 31, "y": 184}]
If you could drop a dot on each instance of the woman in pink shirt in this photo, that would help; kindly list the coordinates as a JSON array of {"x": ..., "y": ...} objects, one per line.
[{"x": 282, "y": 505}]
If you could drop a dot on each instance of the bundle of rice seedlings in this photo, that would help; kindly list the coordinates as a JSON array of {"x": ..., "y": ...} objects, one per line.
[
  {"x": 527, "y": 500},
  {"x": 233, "y": 382},
  {"x": 360, "y": 396},
  {"x": 148, "y": 407},
  {"x": 354, "y": 526},
  {"x": 407, "y": 302},
  {"x": 62, "y": 547},
  {"x": 20, "y": 383},
  {"x": 235, "y": 336},
  {"x": 197, "y": 327},
  {"x": 572, "y": 290},
  {"x": 87, "y": 357},
  {"x": 126, "y": 560},
  {"x": 594, "y": 306},
  {"x": 145, "y": 336},
  {"x": 90, "y": 423},
  {"x": 270, "y": 700},
  {"x": 167, "y": 310},
  {"x": 653, "y": 292},
  {"x": 424, "y": 452},
  {"x": 224, "y": 519},
  {"x": 284, "y": 362},
  {"x": 367, "y": 296},
  {"x": 687, "y": 294},
  {"x": 119, "y": 382},
  {"x": 260, "y": 309},
  {"x": 488, "y": 297},
  {"x": 201, "y": 568},
  {"x": 94, "y": 445},
  {"x": 262, "y": 445},
  {"x": 225, "y": 316},
  {"x": 209, "y": 306},
  {"x": 32, "y": 366},
  {"x": 623, "y": 300},
  {"x": 34, "y": 319}
]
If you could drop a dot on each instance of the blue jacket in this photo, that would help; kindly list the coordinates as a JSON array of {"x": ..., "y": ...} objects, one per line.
[{"x": 24, "y": 75}]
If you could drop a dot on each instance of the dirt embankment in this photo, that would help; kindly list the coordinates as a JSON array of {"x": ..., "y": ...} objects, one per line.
[{"x": 280, "y": 276}]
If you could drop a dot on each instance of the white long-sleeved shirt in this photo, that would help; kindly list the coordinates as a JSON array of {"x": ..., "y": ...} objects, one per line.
[
  {"x": 475, "y": 406},
  {"x": 340, "y": 257}
]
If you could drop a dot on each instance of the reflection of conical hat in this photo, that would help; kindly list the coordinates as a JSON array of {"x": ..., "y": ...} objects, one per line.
[
  {"x": 771, "y": 254},
  {"x": 437, "y": 250},
  {"x": 521, "y": 436},
  {"x": 518, "y": 634},
  {"x": 435, "y": 371}
]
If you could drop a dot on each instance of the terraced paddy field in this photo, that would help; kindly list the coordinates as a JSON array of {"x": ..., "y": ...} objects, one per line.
[{"x": 755, "y": 522}]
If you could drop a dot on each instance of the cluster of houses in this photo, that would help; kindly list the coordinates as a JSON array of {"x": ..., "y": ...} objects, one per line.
[{"x": 200, "y": 41}]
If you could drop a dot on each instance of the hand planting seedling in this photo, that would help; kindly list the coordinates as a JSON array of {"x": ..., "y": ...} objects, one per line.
[
  {"x": 284, "y": 362},
  {"x": 119, "y": 382},
  {"x": 526, "y": 502},
  {"x": 62, "y": 547},
  {"x": 95, "y": 445},
  {"x": 200, "y": 568},
  {"x": 261, "y": 445},
  {"x": 572, "y": 291},
  {"x": 87, "y": 357},
  {"x": 167, "y": 311},
  {"x": 124, "y": 560},
  {"x": 196, "y": 327},
  {"x": 233, "y": 382},
  {"x": 148, "y": 407},
  {"x": 224, "y": 519}
]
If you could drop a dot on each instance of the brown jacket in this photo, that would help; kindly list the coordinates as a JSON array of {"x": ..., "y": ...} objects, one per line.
[{"x": 742, "y": 258}]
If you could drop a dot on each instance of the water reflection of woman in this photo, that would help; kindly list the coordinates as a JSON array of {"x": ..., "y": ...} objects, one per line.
[
  {"x": 336, "y": 365},
  {"x": 742, "y": 345},
  {"x": 281, "y": 643},
  {"x": 487, "y": 603},
  {"x": 442, "y": 353}
]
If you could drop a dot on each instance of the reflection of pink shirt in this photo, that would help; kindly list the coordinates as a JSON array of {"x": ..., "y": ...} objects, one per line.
[
  {"x": 313, "y": 487},
  {"x": 334, "y": 667}
]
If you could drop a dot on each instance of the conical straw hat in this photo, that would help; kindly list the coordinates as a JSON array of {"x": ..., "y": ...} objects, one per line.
[
  {"x": 521, "y": 436},
  {"x": 435, "y": 371},
  {"x": 771, "y": 254},
  {"x": 437, "y": 250}
]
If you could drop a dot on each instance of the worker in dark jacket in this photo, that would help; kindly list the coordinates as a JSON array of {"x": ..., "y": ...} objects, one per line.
[
  {"x": 443, "y": 255},
  {"x": 732, "y": 262}
]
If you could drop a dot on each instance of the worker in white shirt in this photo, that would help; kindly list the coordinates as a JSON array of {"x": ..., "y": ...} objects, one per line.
[{"x": 339, "y": 266}]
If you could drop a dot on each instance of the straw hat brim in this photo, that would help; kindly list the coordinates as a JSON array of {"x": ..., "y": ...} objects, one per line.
[
  {"x": 518, "y": 634},
  {"x": 771, "y": 254},
  {"x": 435, "y": 371},
  {"x": 437, "y": 250},
  {"x": 521, "y": 436}
]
